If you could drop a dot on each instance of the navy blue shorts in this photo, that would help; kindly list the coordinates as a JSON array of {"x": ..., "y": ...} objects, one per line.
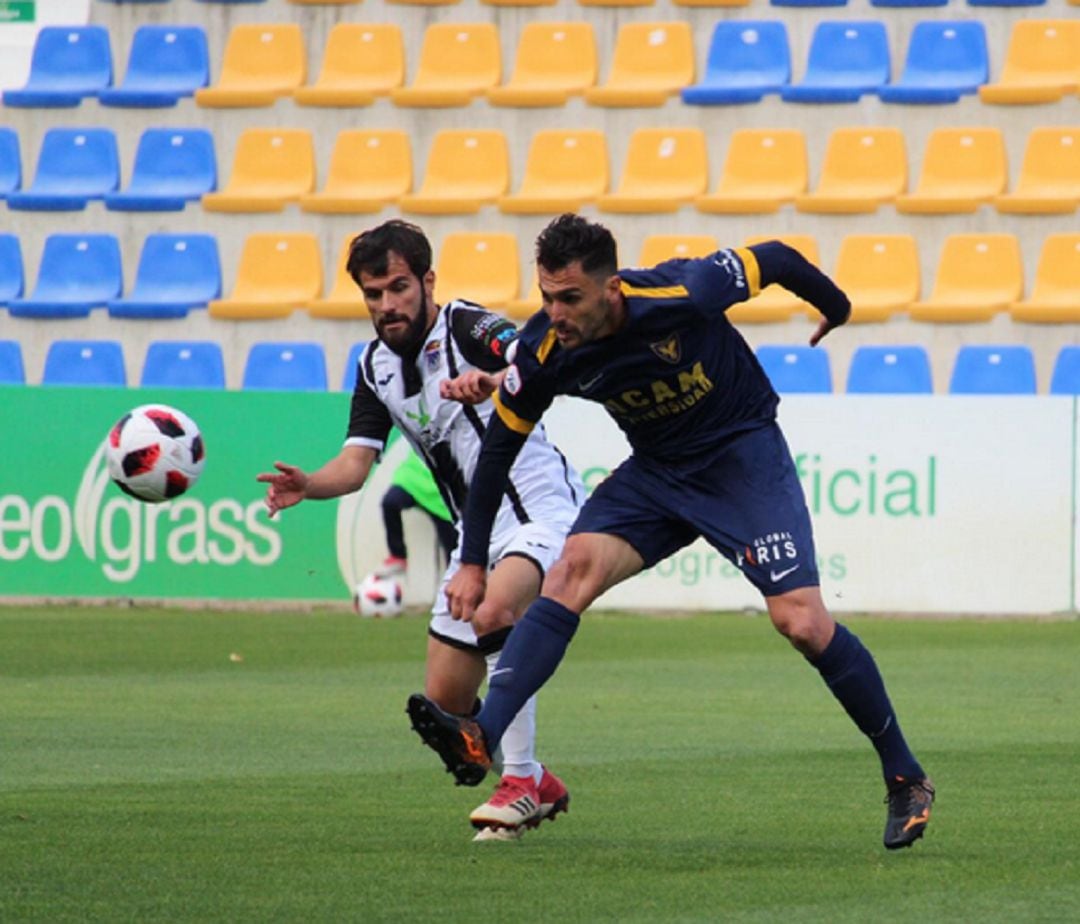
[{"x": 747, "y": 503}]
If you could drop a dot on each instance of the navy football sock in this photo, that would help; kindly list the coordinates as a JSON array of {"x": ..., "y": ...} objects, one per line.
[
  {"x": 850, "y": 672},
  {"x": 531, "y": 654}
]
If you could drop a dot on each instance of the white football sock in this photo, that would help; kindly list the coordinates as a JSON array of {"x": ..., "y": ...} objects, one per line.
[{"x": 518, "y": 743}]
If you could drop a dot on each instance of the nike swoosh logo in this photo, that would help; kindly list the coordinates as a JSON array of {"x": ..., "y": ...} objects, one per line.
[
  {"x": 586, "y": 384},
  {"x": 778, "y": 575},
  {"x": 501, "y": 670}
]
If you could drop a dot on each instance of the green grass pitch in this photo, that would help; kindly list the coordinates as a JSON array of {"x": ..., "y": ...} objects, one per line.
[{"x": 161, "y": 765}]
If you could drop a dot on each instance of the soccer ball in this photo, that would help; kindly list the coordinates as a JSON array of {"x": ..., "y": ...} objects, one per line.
[
  {"x": 154, "y": 453},
  {"x": 378, "y": 597}
]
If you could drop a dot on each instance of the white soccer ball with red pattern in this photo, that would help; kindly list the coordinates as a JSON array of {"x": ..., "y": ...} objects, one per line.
[
  {"x": 155, "y": 453},
  {"x": 378, "y": 597}
]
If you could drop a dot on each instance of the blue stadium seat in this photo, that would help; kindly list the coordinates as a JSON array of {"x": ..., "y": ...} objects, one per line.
[
  {"x": 84, "y": 362},
  {"x": 1065, "y": 379},
  {"x": 172, "y": 167},
  {"x": 10, "y": 161},
  {"x": 74, "y": 166},
  {"x": 12, "y": 279},
  {"x": 945, "y": 60},
  {"x": 177, "y": 272},
  {"x": 78, "y": 272},
  {"x": 993, "y": 370},
  {"x": 846, "y": 60},
  {"x": 183, "y": 364},
  {"x": 796, "y": 369},
  {"x": 286, "y": 367},
  {"x": 68, "y": 63},
  {"x": 348, "y": 381},
  {"x": 890, "y": 370},
  {"x": 746, "y": 60},
  {"x": 165, "y": 63},
  {"x": 902, "y": 3},
  {"x": 11, "y": 363}
]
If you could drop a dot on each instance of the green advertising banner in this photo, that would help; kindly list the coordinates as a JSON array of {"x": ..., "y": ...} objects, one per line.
[
  {"x": 67, "y": 530},
  {"x": 17, "y": 11}
]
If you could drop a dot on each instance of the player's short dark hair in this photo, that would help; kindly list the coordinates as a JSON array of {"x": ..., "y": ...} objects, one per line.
[
  {"x": 370, "y": 250},
  {"x": 569, "y": 238}
]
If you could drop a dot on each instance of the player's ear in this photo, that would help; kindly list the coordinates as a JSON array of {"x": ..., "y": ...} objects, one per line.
[
  {"x": 612, "y": 287},
  {"x": 428, "y": 283}
]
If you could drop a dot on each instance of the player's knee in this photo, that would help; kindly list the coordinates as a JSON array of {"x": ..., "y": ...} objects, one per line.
[
  {"x": 803, "y": 620},
  {"x": 574, "y": 580}
]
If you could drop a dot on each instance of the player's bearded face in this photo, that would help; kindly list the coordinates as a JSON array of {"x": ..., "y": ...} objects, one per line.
[
  {"x": 402, "y": 306},
  {"x": 582, "y": 307}
]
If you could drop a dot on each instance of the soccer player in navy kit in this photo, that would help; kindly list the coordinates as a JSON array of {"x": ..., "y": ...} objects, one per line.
[{"x": 656, "y": 349}]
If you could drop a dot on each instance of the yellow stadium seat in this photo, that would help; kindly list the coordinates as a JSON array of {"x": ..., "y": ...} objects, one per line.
[
  {"x": 656, "y": 248},
  {"x": 863, "y": 168},
  {"x": 261, "y": 63},
  {"x": 521, "y": 309},
  {"x": 554, "y": 60},
  {"x": 369, "y": 169},
  {"x": 344, "y": 301},
  {"x": 764, "y": 169},
  {"x": 564, "y": 170},
  {"x": 361, "y": 62},
  {"x": 278, "y": 273},
  {"x": 1042, "y": 63},
  {"x": 651, "y": 62},
  {"x": 458, "y": 62},
  {"x": 962, "y": 169},
  {"x": 272, "y": 167},
  {"x": 465, "y": 170},
  {"x": 665, "y": 168},
  {"x": 1055, "y": 293},
  {"x": 879, "y": 273},
  {"x": 478, "y": 267},
  {"x": 978, "y": 275},
  {"x": 775, "y": 303},
  {"x": 1049, "y": 180}
]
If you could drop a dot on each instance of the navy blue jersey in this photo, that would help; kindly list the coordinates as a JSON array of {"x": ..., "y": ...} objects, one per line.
[{"x": 677, "y": 378}]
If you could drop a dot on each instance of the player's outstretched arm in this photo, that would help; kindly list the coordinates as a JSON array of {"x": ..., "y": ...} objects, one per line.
[
  {"x": 289, "y": 484},
  {"x": 472, "y": 387}
]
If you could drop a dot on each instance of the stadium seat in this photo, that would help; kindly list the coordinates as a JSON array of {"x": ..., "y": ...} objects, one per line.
[
  {"x": 12, "y": 278},
  {"x": 369, "y": 169},
  {"x": 1065, "y": 379},
  {"x": 563, "y": 171},
  {"x": 68, "y": 63},
  {"x": 361, "y": 62},
  {"x": 554, "y": 61},
  {"x": 271, "y": 168},
  {"x": 10, "y": 162},
  {"x": 763, "y": 170},
  {"x": 177, "y": 272},
  {"x": 993, "y": 370},
  {"x": 465, "y": 171},
  {"x": 183, "y": 364},
  {"x": 77, "y": 272},
  {"x": 945, "y": 60},
  {"x": 344, "y": 301},
  {"x": 665, "y": 168},
  {"x": 1042, "y": 63},
  {"x": 277, "y": 274},
  {"x": 890, "y": 370},
  {"x": 478, "y": 267},
  {"x": 879, "y": 273},
  {"x": 261, "y": 63},
  {"x": 656, "y": 248},
  {"x": 978, "y": 275},
  {"x": 1055, "y": 292},
  {"x": 775, "y": 303},
  {"x": 863, "y": 168},
  {"x": 285, "y": 367},
  {"x": 1049, "y": 180},
  {"x": 352, "y": 366},
  {"x": 908, "y": 3},
  {"x": 166, "y": 63},
  {"x": 796, "y": 369},
  {"x": 74, "y": 166},
  {"x": 458, "y": 62},
  {"x": 847, "y": 59},
  {"x": 12, "y": 371},
  {"x": 651, "y": 62},
  {"x": 173, "y": 166},
  {"x": 84, "y": 362},
  {"x": 746, "y": 60},
  {"x": 962, "y": 169}
]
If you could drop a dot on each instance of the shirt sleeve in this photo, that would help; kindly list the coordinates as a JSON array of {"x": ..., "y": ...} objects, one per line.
[
  {"x": 369, "y": 420},
  {"x": 720, "y": 280},
  {"x": 528, "y": 388},
  {"x": 482, "y": 337}
]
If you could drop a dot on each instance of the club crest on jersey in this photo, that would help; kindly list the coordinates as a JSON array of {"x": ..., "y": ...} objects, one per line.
[
  {"x": 668, "y": 349},
  {"x": 432, "y": 354}
]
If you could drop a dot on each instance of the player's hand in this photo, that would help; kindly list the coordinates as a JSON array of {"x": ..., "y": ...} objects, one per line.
[
  {"x": 472, "y": 387},
  {"x": 287, "y": 486},
  {"x": 466, "y": 590}
]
